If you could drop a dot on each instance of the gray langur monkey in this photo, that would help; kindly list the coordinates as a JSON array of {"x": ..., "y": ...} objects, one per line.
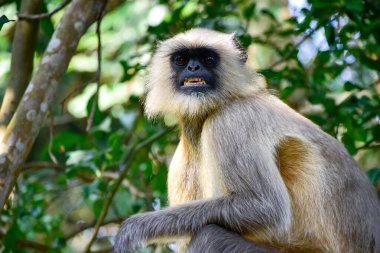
[{"x": 249, "y": 174}]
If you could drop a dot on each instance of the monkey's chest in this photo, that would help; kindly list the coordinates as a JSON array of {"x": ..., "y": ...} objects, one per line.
[
  {"x": 211, "y": 179},
  {"x": 193, "y": 177},
  {"x": 183, "y": 185}
]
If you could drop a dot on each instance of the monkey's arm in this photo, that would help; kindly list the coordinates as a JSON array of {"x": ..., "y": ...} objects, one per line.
[
  {"x": 236, "y": 212},
  {"x": 253, "y": 205}
]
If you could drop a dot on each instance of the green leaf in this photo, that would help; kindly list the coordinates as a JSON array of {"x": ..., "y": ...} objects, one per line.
[
  {"x": 330, "y": 34},
  {"x": 245, "y": 40},
  {"x": 349, "y": 86},
  {"x": 329, "y": 104},
  {"x": 349, "y": 143},
  {"x": 269, "y": 14},
  {"x": 366, "y": 60},
  {"x": 354, "y": 5},
  {"x": 98, "y": 115},
  {"x": 123, "y": 201},
  {"x": 12, "y": 235},
  {"x": 189, "y": 9},
  {"x": 323, "y": 57},
  {"x": 321, "y": 4},
  {"x": 129, "y": 70},
  {"x": 376, "y": 133},
  {"x": 287, "y": 91},
  {"x": 373, "y": 175},
  {"x": 98, "y": 206},
  {"x": 4, "y": 20},
  {"x": 249, "y": 11}
]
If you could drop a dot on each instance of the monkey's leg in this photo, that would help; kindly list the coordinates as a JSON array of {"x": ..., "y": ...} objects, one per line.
[{"x": 215, "y": 239}]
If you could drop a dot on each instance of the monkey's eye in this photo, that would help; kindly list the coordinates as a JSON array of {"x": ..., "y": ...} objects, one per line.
[
  {"x": 209, "y": 60},
  {"x": 181, "y": 60}
]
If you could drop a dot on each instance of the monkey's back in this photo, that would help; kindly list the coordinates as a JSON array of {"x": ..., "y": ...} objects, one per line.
[{"x": 334, "y": 206}]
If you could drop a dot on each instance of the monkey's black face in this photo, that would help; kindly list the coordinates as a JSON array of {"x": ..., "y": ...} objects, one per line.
[{"x": 194, "y": 69}]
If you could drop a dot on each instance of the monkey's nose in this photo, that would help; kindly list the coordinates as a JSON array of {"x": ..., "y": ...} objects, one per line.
[{"x": 193, "y": 66}]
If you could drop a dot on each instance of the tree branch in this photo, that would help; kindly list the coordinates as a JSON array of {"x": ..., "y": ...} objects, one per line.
[
  {"x": 22, "y": 15},
  {"x": 39, "y": 96},
  {"x": 32, "y": 245},
  {"x": 23, "y": 45},
  {"x": 80, "y": 228}
]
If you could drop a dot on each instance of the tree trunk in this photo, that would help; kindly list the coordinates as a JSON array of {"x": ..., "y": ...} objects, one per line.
[{"x": 39, "y": 96}]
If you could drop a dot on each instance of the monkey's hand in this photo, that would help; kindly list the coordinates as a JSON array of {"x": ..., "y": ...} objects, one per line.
[{"x": 131, "y": 235}]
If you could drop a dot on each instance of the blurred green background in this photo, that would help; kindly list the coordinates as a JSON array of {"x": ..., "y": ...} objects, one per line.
[{"x": 321, "y": 57}]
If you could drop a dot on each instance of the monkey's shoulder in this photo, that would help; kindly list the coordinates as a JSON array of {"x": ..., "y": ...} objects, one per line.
[
  {"x": 261, "y": 112},
  {"x": 265, "y": 119}
]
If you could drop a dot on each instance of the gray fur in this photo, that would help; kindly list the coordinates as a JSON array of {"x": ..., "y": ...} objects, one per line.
[
  {"x": 215, "y": 239},
  {"x": 188, "y": 219}
]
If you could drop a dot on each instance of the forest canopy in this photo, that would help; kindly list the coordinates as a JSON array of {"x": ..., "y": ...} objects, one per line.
[{"x": 77, "y": 155}]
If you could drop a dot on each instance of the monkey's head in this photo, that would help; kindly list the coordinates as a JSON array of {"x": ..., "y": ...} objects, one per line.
[{"x": 196, "y": 72}]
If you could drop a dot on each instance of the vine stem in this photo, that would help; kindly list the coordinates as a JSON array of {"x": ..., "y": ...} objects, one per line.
[{"x": 99, "y": 69}]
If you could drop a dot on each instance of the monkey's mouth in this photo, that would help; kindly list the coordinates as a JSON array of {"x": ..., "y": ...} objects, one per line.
[
  {"x": 201, "y": 83},
  {"x": 194, "y": 81}
]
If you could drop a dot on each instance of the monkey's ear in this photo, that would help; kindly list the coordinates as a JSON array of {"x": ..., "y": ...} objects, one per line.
[{"x": 243, "y": 51}]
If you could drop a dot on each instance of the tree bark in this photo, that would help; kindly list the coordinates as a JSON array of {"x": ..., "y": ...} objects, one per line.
[
  {"x": 23, "y": 46},
  {"x": 39, "y": 96}
]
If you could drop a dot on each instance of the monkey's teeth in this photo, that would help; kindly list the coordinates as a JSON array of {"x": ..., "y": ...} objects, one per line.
[{"x": 194, "y": 81}]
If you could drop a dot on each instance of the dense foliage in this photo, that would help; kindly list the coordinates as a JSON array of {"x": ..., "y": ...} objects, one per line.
[{"x": 322, "y": 59}]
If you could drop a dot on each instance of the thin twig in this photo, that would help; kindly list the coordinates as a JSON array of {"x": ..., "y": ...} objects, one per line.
[
  {"x": 22, "y": 16},
  {"x": 369, "y": 145},
  {"x": 65, "y": 119},
  {"x": 33, "y": 166},
  {"x": 126, "y": 165},
  {"x": 98, "y": 72}
]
